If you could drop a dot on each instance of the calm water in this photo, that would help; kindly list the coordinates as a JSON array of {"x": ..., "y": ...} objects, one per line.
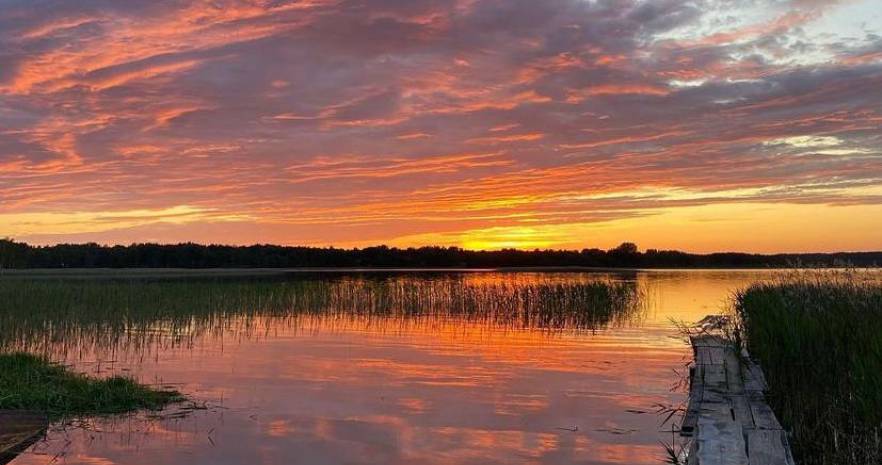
[{"x": 433, "y": 389}]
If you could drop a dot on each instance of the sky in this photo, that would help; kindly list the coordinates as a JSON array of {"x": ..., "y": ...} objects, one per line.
[{"x": 700, "y": 125}]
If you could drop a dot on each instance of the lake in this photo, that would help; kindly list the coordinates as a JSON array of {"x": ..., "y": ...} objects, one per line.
[{"x": 420, "y": 378}]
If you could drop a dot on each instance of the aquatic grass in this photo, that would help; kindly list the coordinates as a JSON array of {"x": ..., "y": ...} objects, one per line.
[
  {"x": 70, "y": 315},
  {"x": 818, "y": 337},
  {"x": 30, "y": 382}
]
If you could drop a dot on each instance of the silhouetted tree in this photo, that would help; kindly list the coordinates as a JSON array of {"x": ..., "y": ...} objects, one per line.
[{"x": 189, "y": 255}]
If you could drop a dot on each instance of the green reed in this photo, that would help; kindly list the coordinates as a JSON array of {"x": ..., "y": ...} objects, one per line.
[
  {"x": 77, "y": 314},
  {"x": 818, "y": 337}
]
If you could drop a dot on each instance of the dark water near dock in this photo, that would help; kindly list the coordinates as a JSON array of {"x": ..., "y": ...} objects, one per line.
[{"x": 388, "y": 386}]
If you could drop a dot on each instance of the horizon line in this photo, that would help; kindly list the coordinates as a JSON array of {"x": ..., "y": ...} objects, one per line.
[{"x": 431, "y": 246}]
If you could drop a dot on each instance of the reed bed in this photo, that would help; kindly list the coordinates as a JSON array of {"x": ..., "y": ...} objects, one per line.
[
  {"x": 818, "y": 337},
  {"x": 63, "y": 315}
]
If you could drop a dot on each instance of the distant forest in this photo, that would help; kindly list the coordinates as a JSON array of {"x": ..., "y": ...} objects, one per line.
[{"x": 188, "y": 255}]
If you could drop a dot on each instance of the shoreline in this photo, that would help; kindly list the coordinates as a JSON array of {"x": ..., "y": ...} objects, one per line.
[{"x": 257, "y": 271}]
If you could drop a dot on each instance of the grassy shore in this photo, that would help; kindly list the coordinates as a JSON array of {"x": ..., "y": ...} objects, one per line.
[
  {"x": 29, "y": 382},
  {"x": 818, "y": 337}
]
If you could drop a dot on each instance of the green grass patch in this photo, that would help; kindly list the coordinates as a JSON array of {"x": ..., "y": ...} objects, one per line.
[
  {"x": 30, "y": 382},
  {"x": 818, "y": 337}
]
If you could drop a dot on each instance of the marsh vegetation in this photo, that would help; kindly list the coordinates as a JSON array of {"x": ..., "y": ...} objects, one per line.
[
  {"x": 818, "y": 337},
  {"x": 52, "y": 315}
]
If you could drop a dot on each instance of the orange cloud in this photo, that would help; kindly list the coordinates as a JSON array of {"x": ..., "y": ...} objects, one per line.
[{"x": 526, "y": 124}]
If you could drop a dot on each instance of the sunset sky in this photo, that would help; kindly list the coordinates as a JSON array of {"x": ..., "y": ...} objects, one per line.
[{"x": 696, "y": 125}]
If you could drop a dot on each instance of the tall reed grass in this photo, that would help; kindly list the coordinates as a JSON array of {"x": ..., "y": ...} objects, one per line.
[
  {"x": 818, "y": 337},
  {"x": 51, "y": 314}
]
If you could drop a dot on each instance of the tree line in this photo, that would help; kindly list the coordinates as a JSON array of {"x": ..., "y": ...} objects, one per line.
[{"x": 15, "y": 254}]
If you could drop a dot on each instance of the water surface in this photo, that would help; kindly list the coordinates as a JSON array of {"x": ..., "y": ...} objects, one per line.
[{"x": 381, "y": 387}]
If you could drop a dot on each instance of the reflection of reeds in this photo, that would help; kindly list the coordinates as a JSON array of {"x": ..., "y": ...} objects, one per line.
[
  {"x": 68, "y": 315},
  {"x": 818, "y": 337}
]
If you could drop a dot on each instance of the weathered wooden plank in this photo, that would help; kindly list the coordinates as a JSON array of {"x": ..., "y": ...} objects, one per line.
[
  {"x": 763, "y": 416},
  {"x": 766, "y": 447},
  {"x": 754, "y": 380},
  {"x": 720, "y": 440},
  {"x": 18, "y": 430},
  {"x": 734, "y": 377},
  {"x": 712, "y": 396},
  {"x": 708, "y": 355},
  {"x": 714, "y": 378},
  {"x": 706, "y": 339},
  {"x": 742, "y": 411},
  {"x": 708, "y": 349},
  {"x": 690, "y": 417},
  {"x": 690, "y": 422}
]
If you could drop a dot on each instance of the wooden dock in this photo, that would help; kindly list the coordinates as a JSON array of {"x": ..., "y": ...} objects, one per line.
[
  {"x": 18, "y": 431},
  {"x": 728, "y": 421}
]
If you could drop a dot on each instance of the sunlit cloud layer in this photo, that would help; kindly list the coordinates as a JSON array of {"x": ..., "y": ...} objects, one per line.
[{"x": 481, "y": 123}]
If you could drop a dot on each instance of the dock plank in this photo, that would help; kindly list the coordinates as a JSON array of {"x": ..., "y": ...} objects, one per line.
[
  {"x": 721, "y": 441},
  {"x": 754, "y": 380},
  {"x": 763, "y": 415},
  {"x": 18, "y": 431},
  {"x": 743, "y": 413},
  {"x": 734, "y": 375},
  {"x": 714, "y": 378},
  {"x": 767, "y": 447}
]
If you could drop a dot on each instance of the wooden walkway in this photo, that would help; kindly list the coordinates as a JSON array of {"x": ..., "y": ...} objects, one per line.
[
  {"x": 18, "y": 431},
  {"x": 728, "y": 421}
]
